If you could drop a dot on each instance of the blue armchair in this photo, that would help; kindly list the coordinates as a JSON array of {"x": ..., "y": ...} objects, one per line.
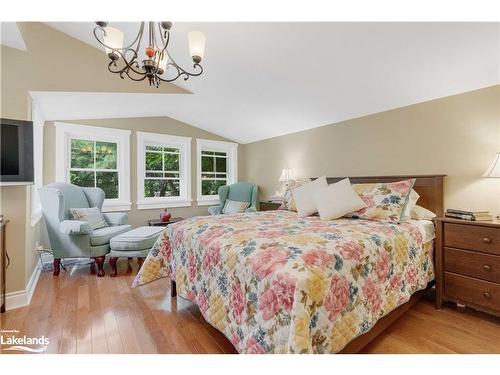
[
  {"x": 75, "y": 238},
  {"x": 241, "y": 192}
]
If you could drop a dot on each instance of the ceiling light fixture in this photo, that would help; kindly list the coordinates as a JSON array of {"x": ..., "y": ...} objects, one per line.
[{"x": 158, "y": 65}]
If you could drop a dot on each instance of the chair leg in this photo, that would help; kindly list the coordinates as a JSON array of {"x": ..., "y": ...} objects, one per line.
[
  {"x": 112, "y": 263},
  {"x": 100, "y": 264},
  {"x": 57, "y": 264}
]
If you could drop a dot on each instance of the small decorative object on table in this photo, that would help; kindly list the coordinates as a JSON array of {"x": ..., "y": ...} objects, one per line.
[
  {"x": 467, "y": 263},
  {"x": 165, "y": 216},
  {"x": 161, "y": 223}
]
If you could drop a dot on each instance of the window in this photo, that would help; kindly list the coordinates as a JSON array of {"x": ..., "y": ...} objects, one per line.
[
  {"x": 163, "y": 171},
  {"x": 90, "y": 156},
  {"x": 38, "y": 123},
  {"x": 217, "y": 166}
]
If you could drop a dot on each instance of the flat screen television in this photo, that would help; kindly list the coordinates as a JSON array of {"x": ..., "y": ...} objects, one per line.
[{"x": 16, "y": 152}]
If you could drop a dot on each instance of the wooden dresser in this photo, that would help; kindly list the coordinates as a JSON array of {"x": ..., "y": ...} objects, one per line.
[
  {"x": 269, "y": 205},
  {"x": 467, "y": 263}
]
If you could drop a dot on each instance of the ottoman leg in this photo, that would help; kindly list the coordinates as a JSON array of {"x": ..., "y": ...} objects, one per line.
[
  {"x": 140, "y": 261},
  {"x": 173, "y": 289},
  {"x": 100, "y": 264},
  {"x": 112, "y": 263}
]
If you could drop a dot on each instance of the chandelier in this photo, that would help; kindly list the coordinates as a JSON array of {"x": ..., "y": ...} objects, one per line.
[{"x": 157, "y": 64}]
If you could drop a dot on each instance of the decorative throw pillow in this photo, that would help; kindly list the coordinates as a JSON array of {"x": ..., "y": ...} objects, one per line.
[
  {"x": 303, "y": 196},
  {"x": 384, "y": 201},
  {"x": 91, "y": 215},
  {"x": 420, "y": 213},
  {"x": 288, "y": 202},
  {"x": 337, "y": 200},
  {"x": 233, "y": 207},
  {"x": 412, "y": 202}
]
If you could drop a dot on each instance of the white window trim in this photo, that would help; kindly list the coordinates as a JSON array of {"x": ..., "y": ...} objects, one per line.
[
  {"x": 231, "y": 149},
  {"x": 184, "y": 144},
  {"x": 65, "y": 131},
  {"x": 38, "y": 125}
]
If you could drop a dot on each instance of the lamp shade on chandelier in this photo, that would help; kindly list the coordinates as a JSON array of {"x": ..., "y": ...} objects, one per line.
[{"x": 150, "y": 58}]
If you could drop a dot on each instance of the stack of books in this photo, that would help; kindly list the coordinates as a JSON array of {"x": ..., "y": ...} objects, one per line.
[{"x": 469, "y": 215}]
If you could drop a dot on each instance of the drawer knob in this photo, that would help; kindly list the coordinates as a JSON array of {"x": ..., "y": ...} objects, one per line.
[
  {"x": 487, "y": 267},
  {"x": 486, "y": 240},
  {"x": 487, "y": 295}
]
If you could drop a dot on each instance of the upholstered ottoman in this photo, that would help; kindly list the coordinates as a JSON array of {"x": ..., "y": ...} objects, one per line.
[{"x": 133, "y": 244}]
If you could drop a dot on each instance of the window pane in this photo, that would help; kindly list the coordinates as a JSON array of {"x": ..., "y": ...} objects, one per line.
[
  {"x": 220, "y": 153},
  {"x": 161, "y": 188},
  {"x": 168, "y": 149},
  {"x": 207, "y": 164},
  {"x": 154, "y": 148},
  {"x": 211, "y": 187},
  {"x": 154, "y": 174},
  {"x": 82, "y": 179},
  {"x": 221, "y": 175},
  {"x": 82, "y": 153},
  {"x": 108, "y": 181},
  {"x": 221, "y": 164},
  {"x": 172, "y": 175},
  {"x": 208, "y": 175},
  {"x": 153, "y": 161},
  {"x": 207, "y": 153},
  {"x": 171, "y": 162},
  {"x": 105, "y": 155}
]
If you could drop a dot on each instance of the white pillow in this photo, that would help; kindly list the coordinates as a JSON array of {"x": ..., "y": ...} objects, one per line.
[
  {"x": 303, "y": 196},
  {"x": 420, "y": 213},
  {"x": 412, "y": 202},
  {"x": 337, "y": 200}
]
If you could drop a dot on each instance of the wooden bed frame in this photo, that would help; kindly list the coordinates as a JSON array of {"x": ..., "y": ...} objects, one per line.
[{"x": 430, "y": 189}]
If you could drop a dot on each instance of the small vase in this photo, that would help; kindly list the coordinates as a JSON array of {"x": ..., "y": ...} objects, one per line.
[{"x": 165, "y": 215}]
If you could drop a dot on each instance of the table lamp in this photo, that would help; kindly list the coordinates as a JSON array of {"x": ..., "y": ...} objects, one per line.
[{"x": 494, "y": 170}]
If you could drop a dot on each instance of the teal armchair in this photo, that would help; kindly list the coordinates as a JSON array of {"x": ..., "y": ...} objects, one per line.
[
  {"x": 75, "y": 238},
  {"x": 241, "y": 191}
]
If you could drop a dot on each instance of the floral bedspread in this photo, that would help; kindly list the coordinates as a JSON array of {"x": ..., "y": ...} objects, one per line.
[{"x": 276, "y": 283}]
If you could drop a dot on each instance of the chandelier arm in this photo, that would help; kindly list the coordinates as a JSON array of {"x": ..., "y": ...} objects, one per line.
[
  {"x": 128, "y": 64},
  {"x": 103, "y": 31}
]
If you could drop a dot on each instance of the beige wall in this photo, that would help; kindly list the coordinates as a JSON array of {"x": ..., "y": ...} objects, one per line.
[
  {"x": 163, "y": 125},
  {"x": 457, "y": 136}
]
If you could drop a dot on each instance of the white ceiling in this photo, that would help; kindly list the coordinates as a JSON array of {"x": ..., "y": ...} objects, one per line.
[
  {"x": 267, "y": 79},
  {"x": 10, "y": 36}
]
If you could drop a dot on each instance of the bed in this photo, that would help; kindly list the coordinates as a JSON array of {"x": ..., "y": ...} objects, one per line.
[{"x": 272, "y": 282}]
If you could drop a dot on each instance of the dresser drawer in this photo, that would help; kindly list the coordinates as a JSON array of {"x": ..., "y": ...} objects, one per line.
[
  {"x": 472, "y": 237},
  {"x": 469, "y": 290},
  {"x": 469, "y": 263}
]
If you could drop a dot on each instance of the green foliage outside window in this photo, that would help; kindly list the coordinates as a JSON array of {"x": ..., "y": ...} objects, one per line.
[
  {"x": 162, "y": 172},
  {"x": 94, "y": 164},
  {"x": 213, "y": 171}
]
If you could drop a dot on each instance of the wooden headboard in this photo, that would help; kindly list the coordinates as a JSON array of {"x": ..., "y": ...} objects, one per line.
[{"x": 429, "y": 187}]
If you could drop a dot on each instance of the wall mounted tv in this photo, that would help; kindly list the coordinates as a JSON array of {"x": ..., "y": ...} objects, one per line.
[{"x": 16, "y": 152}]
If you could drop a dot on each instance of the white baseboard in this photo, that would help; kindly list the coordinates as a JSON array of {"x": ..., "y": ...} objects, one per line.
[{"x": 21, "y": 298}]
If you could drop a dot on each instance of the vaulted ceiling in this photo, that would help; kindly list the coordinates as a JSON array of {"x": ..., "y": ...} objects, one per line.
[{"x": 267, "y": 79}]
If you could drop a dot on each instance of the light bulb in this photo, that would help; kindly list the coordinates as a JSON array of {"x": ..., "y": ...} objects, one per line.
[{"x": 197, "y": 42}]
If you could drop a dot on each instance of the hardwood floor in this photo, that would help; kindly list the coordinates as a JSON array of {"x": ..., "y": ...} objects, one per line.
[{"x": 81, "y": 313}]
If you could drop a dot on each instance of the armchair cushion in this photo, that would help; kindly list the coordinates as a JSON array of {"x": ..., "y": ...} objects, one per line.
[
  {"x": 75, "y": 227},
  {"x": 115, "y": 218},
  {"x": 215, "y": 210},
  {"x": 102, "y": 236},
  {"x": 91, "y": 215}
]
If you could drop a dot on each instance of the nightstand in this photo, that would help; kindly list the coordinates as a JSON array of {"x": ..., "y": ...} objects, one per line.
[
  {"x": 269, "y": 205},
  {"x": 467, "y": 263}
]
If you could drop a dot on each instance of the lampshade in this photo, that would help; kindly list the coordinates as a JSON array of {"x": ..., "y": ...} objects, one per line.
[
  {"x": 286, "y": 175},
  {"x": 197, "y": 42},
  {"x": 162, "y": 65},
  {"x": 113, "y": 38},
  {"x": 494, "y": 169}
]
